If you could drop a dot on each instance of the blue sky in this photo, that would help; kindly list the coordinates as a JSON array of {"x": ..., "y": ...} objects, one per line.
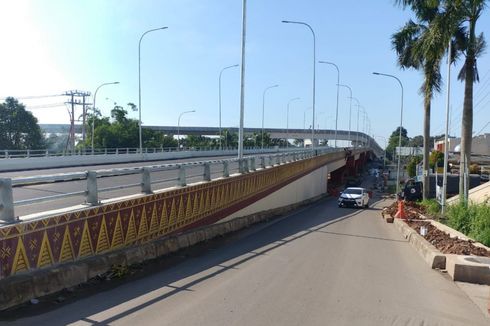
[{"x": 53, "y": 46}]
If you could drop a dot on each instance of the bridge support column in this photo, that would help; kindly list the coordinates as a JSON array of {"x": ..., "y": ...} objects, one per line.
[{"x": 6, "y": 201}]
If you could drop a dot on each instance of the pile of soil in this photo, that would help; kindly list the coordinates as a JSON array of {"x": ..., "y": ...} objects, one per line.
[
  {"x": 412, "y": 210},
  {"x": 447, "y": 245}
]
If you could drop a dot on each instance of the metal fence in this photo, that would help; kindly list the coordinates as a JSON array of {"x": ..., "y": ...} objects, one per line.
[{"x": 147, "y": 182}]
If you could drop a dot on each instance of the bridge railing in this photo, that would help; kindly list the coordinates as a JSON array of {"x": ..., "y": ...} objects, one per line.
[
  {"x": 147, "y": 182},
  {"x": 31, "y": 153}
]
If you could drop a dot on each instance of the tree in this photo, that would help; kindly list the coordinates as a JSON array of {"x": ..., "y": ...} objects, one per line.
[
  {"x": 456, "y": 23},
  {"x": 408, "y": 42},
  {"x": 436, "y": 159},
  {"x": 393, "y": 141},
  {"x": 412, "y": 166},
  {"x": 18, "y": 127},
  {"x": 418, "y": 141}
]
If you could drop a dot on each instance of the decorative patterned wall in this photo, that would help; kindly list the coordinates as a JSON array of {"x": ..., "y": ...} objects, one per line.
[{"x": 75, "y": 235}]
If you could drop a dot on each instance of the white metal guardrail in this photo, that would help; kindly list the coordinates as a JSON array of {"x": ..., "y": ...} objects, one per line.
[
  {"x": 147, "y": 173},
  {"x": 31, "y": 153}
]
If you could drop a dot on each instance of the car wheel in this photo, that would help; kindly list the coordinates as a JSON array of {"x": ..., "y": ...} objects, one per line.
[{"x": 367, "y": 205}]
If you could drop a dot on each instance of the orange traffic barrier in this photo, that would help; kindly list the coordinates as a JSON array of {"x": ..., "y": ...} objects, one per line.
[{"x": 401, "y": 210}]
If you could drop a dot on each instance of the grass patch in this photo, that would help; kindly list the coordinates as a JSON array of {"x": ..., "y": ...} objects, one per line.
[
  {"x": 472, "y": 220},
  {"x": 431, "y": 206}
]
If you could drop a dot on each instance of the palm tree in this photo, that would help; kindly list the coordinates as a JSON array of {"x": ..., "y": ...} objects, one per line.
[
  {"x": 455, "y": 21},
  {"x": 408, "y": 43}
]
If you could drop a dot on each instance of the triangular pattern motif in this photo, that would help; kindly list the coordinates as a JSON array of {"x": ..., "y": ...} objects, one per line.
[
  {"x": 154, "y": 220},
  {"x": 195, "y": 209},
  {"x": 131, "y": 232},
  {"x": 181, "y": 211},
  {"x": 189, "y": 208},
  {"x": 117, "y": 237},
  {"x": 164, "y": 217},
  {"x": 103, "y": 239},
  {"x": 21, "y": 263},
  {"x": 45, "y": 257},
  {"x": 143, "y": 227},
  {"x": 173, "y": 213},
  {"x": 66, "y": 253},
  {"x": 86, "y": 248}
]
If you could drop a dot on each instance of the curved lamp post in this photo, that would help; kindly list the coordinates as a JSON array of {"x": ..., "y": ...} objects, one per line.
[
  {"x": 314, "y": 71},
  {"x": 139, "y": 83},
  {"x": 178, "y": 127},
  {"x": 263, "y": 110},
  {"x": 337, "y": 106},
  {"x": 401, "y": 126},
  {"x": 287, "y": 120},
  {"x": 221, "y": 72},
  {"x": 93, "y": 118},
  {"x": 350, "y": 107}
]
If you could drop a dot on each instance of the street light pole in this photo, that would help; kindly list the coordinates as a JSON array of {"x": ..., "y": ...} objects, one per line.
[
  {"x": 287, "y": 120},
  {"x": 263, "y": 110},
  {"x": 139, "y": 84},
  {"x": 221, "y": 72},
  {"x": 337, "y": 106},
  {"x": 178, "y": 127},
  {"x": 446, "y": 144},
  {"x": 304, "y": 123},
  {"x": 350, "y": 108},
  {"x": 242, "y": 80},
  {"x": 93, "y": 118},
  {"x": 401, "y": 126},
  {"x": 314, "y": 75}
]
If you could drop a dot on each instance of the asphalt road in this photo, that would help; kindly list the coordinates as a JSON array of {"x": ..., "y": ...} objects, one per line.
[
  {"x": 194, "y": 174},
  {"x": 320, "y": 265}
]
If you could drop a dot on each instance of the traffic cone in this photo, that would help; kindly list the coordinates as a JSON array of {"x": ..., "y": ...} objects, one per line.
[{"x": 401, "y": 210}]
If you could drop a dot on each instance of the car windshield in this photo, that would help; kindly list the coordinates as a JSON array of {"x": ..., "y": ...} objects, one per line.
[{"x": 353, "y": 191}]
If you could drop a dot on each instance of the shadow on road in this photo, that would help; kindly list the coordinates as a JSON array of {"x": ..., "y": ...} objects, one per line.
[{"x": 206, "y": 261}]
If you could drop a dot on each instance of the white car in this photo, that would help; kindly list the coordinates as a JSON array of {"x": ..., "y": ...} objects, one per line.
[{"x": 354, "y": 197}]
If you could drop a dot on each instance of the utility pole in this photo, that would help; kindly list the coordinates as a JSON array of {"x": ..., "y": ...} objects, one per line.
[{"x": 76, "y": 94}]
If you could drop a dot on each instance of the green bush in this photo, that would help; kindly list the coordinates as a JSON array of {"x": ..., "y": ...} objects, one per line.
[
  {"x": 472, "y": 220},
  {"x": 431, "y": 206}
]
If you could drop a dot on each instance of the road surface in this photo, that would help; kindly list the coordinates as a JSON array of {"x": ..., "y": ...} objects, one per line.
[{"x": 320, "y": 265}]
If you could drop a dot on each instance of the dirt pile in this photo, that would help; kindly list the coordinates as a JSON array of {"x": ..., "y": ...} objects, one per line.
[
  {"x": 412, "y": 210},
  {"x": 445, "y": 243}
]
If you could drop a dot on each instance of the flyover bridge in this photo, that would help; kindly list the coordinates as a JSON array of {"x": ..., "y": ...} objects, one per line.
[{"x": 162, "y": 208}]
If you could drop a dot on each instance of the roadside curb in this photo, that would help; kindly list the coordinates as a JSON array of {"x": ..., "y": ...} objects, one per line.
[{"x": 433, "y": 257}]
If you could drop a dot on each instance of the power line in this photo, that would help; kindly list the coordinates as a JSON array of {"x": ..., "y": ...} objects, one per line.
[{"x": 31, "y": 97}]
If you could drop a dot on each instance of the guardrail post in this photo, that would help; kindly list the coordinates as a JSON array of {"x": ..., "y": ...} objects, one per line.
[
  {"x": 6, "y": 201},
  {"x": 105, "y": 151},
  {"x": 146, "y": 181},
  {"x": 226, "y": 171},
  {"x": 181, "y": 182},
  {"x": 262, "y": 162},
  {"x": 271, "y": 161},
  {"x": 207, "y": 172},
  {"x": 47, "y": 153},
  {"x": 92, "y": 192},
  {"x": 252, "y": 164},
  {"x": 6, "y": 154},
  {"x": 28, "y": 153},
  {"x": 245, "y": 165},
  {"x": 278, "y": 159},
  {"x": 117, "y": 151}
]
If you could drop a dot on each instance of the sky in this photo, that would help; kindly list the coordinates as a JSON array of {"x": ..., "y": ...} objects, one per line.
[{"x": 50, "y": 47}]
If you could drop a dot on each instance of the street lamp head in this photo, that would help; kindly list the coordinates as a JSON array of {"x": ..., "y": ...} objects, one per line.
[
  {"x": 376, "y": 73},
  {"x": 115, "y": 83},
  {"x": 286, "y": 21},
  {"x": 165, "y": 27}
]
